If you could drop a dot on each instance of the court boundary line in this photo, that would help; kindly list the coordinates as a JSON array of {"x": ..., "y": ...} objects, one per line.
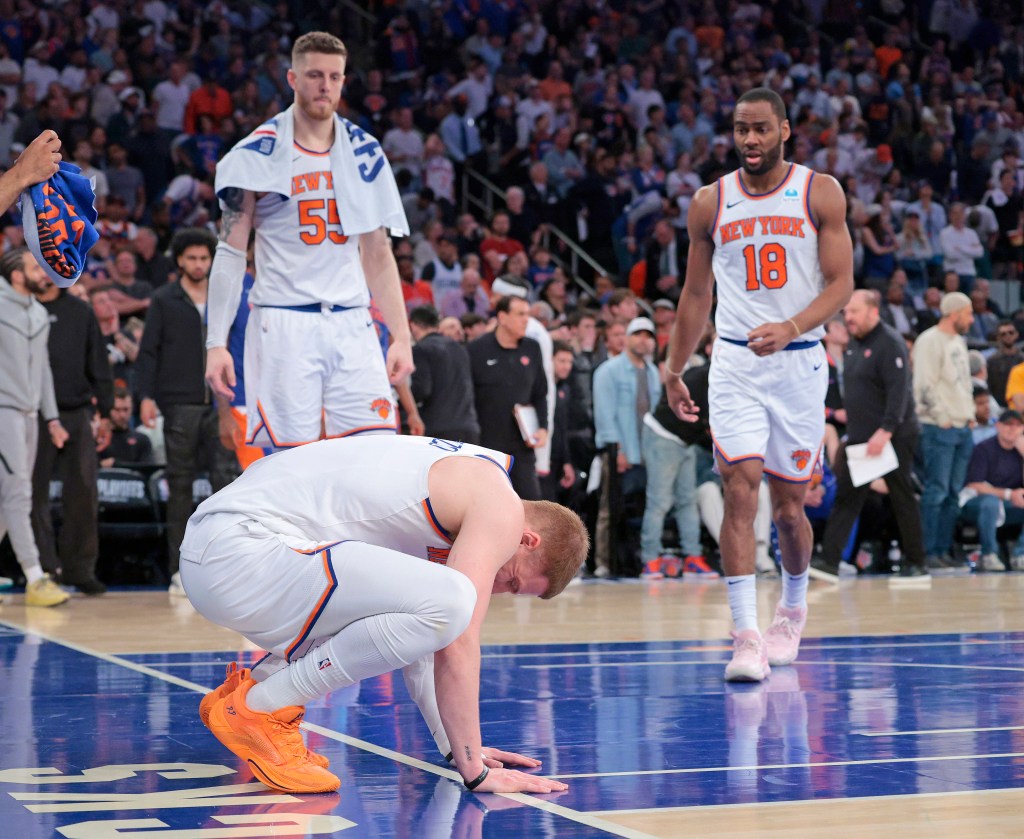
[
  {"x": 758, "y": 768},
  {"x": 579, "y": 816},
  {"x": 720, "y": 662},
  {"x": 798, "y": 801}
]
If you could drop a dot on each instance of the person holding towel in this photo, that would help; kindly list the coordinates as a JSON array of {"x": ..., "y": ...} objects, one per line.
[{"x": 321, "y": 197}]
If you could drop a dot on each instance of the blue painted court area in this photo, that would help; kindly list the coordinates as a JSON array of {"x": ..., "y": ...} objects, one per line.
[{"x": 103, "y": 746}]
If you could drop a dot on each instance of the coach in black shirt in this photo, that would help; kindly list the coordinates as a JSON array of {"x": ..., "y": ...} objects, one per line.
[
  {"x": 442, "y": 383},
  {"x": 880, "y": 408},
  {"x": 508, "y": 371},
  {"x": 84, "y": 386}
]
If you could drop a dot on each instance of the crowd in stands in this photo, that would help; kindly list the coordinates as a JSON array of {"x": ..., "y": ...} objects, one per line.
[{"x": 600, "y": 119}]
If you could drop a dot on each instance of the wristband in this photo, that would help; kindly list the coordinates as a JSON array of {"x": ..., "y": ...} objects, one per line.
[
  {"x": 672, "y": 372},
  {"x": 1007, "y": 494},
  {"x": 479, "y": 779},
  {"x": 799, "y": 331}
]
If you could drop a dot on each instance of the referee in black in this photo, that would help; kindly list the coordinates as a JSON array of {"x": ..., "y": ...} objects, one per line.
[{"x": 880, "y": 408}]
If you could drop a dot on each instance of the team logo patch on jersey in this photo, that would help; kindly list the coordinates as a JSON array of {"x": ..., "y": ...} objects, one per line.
[
  {"x": 323, "y": 664},
  {"x": 801, "y": 458},
  {"x": 381, "y": 407},
  {"x": 438, "y": 555},
  {"x": 263, "y": 145}
]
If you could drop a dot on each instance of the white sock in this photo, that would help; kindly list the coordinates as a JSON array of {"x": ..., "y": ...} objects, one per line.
[
  {"x": 794, "y": 589},
  {"x": 743, "y": 601},
  {"x": 363, "y": 649},
  {"x": 33, "y": 574}
]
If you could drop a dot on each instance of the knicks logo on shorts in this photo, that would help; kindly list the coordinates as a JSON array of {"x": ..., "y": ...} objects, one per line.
[
  {"x": 381, "y": 407},
  {"x": 801, "y": 457},
  {"x": 438, "y": 555}
]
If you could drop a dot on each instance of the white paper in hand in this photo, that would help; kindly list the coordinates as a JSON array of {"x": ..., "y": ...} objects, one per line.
[{"x": 864, "y": 469}]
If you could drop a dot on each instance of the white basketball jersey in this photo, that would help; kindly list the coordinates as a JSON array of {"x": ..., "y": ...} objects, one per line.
[
  {"x": 371, "y": 489},
  {"x": 765, "y": 261},
  {"x": 301, "y": 255}
]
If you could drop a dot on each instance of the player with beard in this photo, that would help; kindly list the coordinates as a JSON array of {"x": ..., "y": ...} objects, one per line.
[
  {"x": 170, "y": 376},
  {"x": 772, "y": 236},
  {"x": 320, "y": 196}
]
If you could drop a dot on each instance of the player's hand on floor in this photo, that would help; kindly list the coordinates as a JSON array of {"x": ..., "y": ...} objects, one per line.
[
  {"x": 511, "y": 780},
  {"x": 496, "y": 759}
]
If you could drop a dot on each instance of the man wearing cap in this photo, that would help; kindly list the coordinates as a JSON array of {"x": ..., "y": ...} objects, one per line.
[
  {"x": 996, "y": 475},
  {"x": 880, "y": 410},
  {"x": 626, "y": 388},
  {"x": 945, "y": 409}
]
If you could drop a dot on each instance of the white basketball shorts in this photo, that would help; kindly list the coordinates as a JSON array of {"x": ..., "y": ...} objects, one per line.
[
  {"x": 302, "y": 367},
  {"x": 288, "y": 596},
  {"x": 770, "y": 409}
]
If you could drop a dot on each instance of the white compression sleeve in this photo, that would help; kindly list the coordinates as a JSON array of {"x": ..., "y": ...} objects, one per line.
[
  {"x": 225, "y": 293},
  {"x": 419, "y": 681}
]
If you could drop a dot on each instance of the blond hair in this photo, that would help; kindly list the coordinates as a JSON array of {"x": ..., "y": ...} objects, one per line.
[
  {"x": 564, "y": 540},
  {"x": 319, "y": 42}
]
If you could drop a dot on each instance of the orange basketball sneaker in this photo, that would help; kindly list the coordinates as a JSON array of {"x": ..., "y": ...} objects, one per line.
[
  {"x": 271, "y": 744},
  {"x": 233, "y": 677}
]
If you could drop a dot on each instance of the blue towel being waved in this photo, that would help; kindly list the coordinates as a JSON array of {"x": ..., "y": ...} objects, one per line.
[{"x": 58, "y": 217}]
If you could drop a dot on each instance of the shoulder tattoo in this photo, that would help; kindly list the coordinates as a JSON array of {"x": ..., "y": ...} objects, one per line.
[{"x": 231, "y": 201}]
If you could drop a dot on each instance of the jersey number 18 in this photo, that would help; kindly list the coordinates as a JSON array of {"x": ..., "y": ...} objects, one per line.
[{"x": 771, "y": 260}]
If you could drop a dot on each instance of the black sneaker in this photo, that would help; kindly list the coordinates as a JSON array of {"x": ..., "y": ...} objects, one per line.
[
  {"x": 937, "y": 562},
  {"x": 91, "y": 587},
  {"x": 908, "y": 570}
]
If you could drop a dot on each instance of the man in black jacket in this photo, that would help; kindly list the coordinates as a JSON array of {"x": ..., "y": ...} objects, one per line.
[
  {"x": 880, "y": 409},
  {"x": 84, "y": 386},
  {"x": 442, "y": 383},
  {"x": 171, "y": 375},
  {"x": 508, "y": 371}
]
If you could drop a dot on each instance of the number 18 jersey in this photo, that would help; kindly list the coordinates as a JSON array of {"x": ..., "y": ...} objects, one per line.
[
  {"x": 302, "y": 255},
  {"x": 765, "y": 261}
]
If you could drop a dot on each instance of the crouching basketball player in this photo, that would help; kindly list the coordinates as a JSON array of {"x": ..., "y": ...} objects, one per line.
[{"x": 349, "y": 558}]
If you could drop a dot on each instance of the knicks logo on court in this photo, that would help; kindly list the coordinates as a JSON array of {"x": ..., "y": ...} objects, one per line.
[
  {"x": 800, "y": 458},
  {"x": 381, "y": 407}
]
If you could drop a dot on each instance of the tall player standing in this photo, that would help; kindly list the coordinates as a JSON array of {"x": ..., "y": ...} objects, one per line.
[
  {"x": 773, "y": 236},
  {"x": 320, "y": 195}
]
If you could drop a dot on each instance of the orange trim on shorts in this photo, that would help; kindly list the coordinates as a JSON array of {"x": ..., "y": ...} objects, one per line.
[
  {"x": 810, "y": 475},
  {"x": 247, "y": 455},
  {"x": 264, "y": 423},
  {"x": 731, "y": 460},
  {"x": 392, "y": 427},
  {"x": 318, "y": 548},
  {"x": 307, "y": 627}
]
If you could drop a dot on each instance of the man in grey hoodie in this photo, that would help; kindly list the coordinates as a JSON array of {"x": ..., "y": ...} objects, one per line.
[{"x": 26, "y": 384}]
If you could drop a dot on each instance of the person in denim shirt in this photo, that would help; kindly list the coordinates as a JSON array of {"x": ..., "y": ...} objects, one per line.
[{"x": 619, "y": 406}]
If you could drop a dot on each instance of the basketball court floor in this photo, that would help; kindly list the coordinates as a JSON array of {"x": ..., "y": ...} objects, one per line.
[{"x": 903, "y": 717}]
